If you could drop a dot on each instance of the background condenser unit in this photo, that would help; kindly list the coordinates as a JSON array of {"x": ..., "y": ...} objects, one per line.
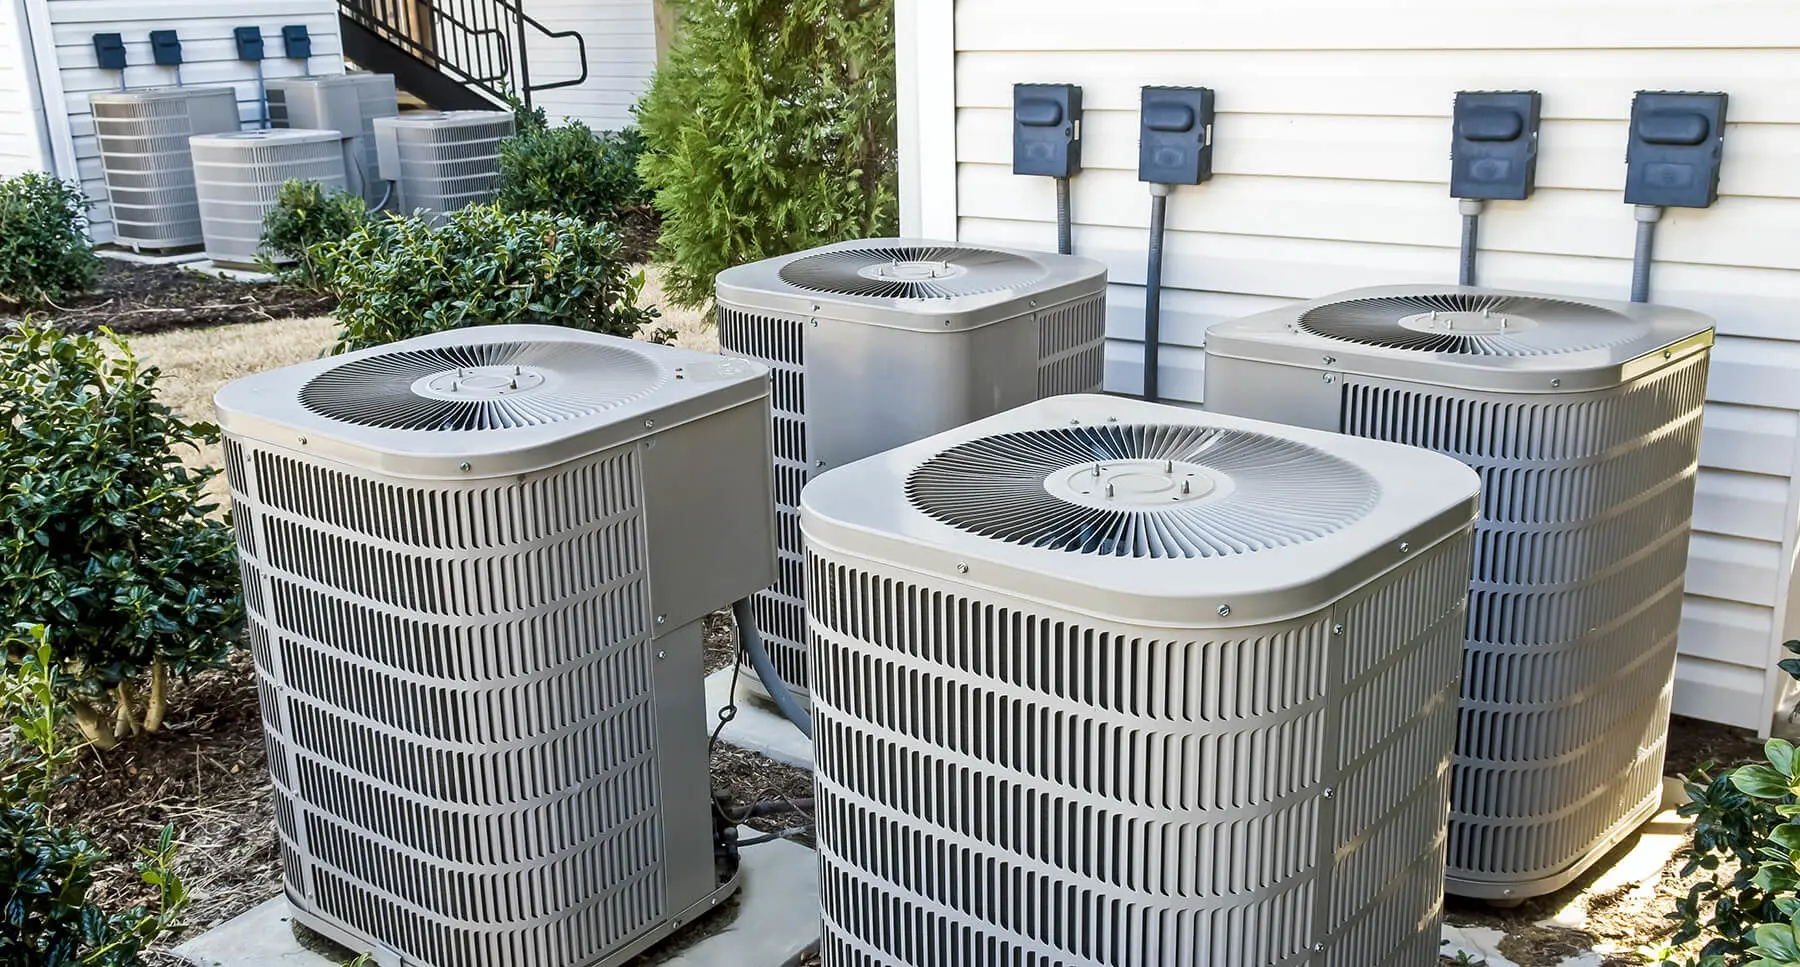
[
  {"x": 147, "y": 163},
  {"x": 476, "y": 566},
  {"x": 1583, "y": 419},
  {"x": 440, "y": 161},
  {"x": 876, "y": 343},
  {"x": 1105, "y": 683},
  {"x": 347, "y": 104},
  {"x": 238, "y": 178}
]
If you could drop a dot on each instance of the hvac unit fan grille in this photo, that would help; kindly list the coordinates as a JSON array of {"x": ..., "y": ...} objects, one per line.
[
  {"x": 1213, "y": 841},
  {"x": 488, "y": 386},
  {"x": 911, "y": 272},
  {"x": 1581, "y": 549},
  {"x": 1142, "y": 491},
  {"x": 400, "y": 686},
  {"x": 1472, "y": 324}
]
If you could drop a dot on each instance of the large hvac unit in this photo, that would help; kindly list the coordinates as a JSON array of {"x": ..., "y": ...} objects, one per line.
[
  {"x": 238, "y": 178},
  {"x": 476, "y": 566},
  {"x": 876, "y": 343},
  {"x": 347, "y": 104},
  {"x": 148, "y": 166},
  {"x": 1105, "y": 683},
  {"x": 440, "y": 161},
  {"x": 1583, "y": 419}
]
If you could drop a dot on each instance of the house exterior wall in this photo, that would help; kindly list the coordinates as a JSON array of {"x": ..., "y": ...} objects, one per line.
[
  {"x": 1332, "y": 170},
  {"x": 621, "y": 58},
  {"x": 23, "y": 145},
  {"x": 207, "y": 47}
]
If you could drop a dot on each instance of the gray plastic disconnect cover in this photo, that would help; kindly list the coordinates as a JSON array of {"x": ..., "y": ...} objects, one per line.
[{"x": 1232, "y": 755}]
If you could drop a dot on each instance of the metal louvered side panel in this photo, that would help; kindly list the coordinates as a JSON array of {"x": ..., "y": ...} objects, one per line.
[
  {"x": 1054, "y": 792},
  {"x": 780, "y": 344},
  {"x": 456, "y": 684},
  {"x": 1574, "y": 606},
  {"x": 237, "y": 183},
  {"x": 445, "y": 167},
  {"x": 148, "y": 166},
  {"x": 1072, "y": 348}
]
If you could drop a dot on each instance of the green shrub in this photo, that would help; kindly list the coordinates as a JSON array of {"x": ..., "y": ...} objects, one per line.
[
  {"x": 47, "y": 870},
  {"x": 1744, "y": 840},
  {"x": 526, "y": 119},
  {"x": 572, "y": 171},
  {"x": 305, "y": 215},
  {"x": 480, "y": 266},
  {"x": 104, "y": 534},
  {"x": 770, "y": 129},
  {"x": 44, "y": 250}
]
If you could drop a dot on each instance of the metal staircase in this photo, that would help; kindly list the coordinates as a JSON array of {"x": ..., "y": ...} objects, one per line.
[{"x": 454, "y": 54}]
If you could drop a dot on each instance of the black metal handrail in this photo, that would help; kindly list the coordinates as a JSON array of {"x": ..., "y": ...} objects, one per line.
[{"x": 472, "y": 41}]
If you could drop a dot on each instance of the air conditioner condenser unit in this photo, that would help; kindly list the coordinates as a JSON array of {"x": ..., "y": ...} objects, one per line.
[
  {"x": 876, "y": 343},
  {"x": 347, "y": 104},
  {"x": 476, "y": 567},
  {"x": 1583, "y": 419},
  {"x": 238, "y": 178},
  {"x": 1105, "y": 683},
  {"x": 440, "y": 161},
  {"x": 148, "y": 164}
]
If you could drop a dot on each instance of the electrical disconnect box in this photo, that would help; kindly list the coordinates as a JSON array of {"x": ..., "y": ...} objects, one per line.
[
  {"x": 1047, "y": 130},
  {"x": 249, "y": 43},
  {"x": 165, "y": 48},
  {"x": 1175, "y": 135},
  {"x": 109, "y": 50},
  {"x": 1493, "y": 148},
  {"x": 1677, "y": 140},
  {"x": 296, "y": 43}
]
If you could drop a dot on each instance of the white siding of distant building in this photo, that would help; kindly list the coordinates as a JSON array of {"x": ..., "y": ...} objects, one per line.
[
  {"x": 1332, "y": 164},
  {"x": 621, "y": 57},
  {"x": 22, "y": 135},
  {"x": 206, "y": 46}
]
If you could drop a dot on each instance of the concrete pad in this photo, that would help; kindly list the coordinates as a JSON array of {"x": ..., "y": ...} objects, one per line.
[
  {"x": 1477, "y": 945},
  {"x": 775, "y": 923},
  {"x": 759, "y": 726},
  {"x": 148, "y": 258},
  {"x": 208, "y": 267}
]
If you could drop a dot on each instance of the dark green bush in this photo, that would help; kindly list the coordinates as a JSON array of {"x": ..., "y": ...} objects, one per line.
[
  {"x": 1744, "y": 841},
  {"x": 526, "y": 119},
  {"x": 770, "y": 129},
  {"x": 104, "y": 534},
  {"x": 44, "y": 250},
  {"x": 305, "y": 215},
  {"x": 572, "y": 171},
  {"x": 46, "y": 869},
  {"x": 480, "y": 266}
]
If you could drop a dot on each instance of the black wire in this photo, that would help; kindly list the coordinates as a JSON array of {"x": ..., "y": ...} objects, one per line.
[
  {"x": 726, "y": 715},
  {"x": 772, "y": 837}
]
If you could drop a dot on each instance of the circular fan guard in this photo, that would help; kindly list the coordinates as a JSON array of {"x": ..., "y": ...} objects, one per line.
[
  {"x": 911, "y": 272},
  {"x": 1473, "y": 324},
  {"x": 406, "y": 389},
  {"x": 1268, "y": 492}
]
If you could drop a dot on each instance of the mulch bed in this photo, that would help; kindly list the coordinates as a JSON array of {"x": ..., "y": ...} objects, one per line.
[{"x": 132, "y": 298}]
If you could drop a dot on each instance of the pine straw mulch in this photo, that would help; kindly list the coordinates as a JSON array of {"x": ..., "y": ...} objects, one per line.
[{"x": 132, "y": 299}]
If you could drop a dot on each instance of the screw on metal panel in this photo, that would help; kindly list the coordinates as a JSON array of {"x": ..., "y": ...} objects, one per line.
[
  {"x": 815, "y": 323},
  {"x": 962, "y": 569},
  {"x": 1337, "y": 629},
  {"x": 661, "y": 655},
  {"x": 946, "y": 323},
  {"x": 1224, "y": 610},
  {"x": 1074, "y": 422},
  {"x": 1556, "y": 382},
  {"x": 649, "y": 424},
  {"x": 1318, "y": 948},
  {"x": 463, "y": 467},
  {"x": 1667, "y": 353},
  {"x": 819, "y": 463},
  {"x": 1331, "y": 360},
  {"x": 1112, "y": 419},
  {"x": 1405, "y": 548},
  {"x": 1330, "y": 378},
  {"x": 303, "y": 441},
  {"x": 662, "y": 619},
  {"x": 1034, "y": 303},
  {"x": 1329, "y": 792}
]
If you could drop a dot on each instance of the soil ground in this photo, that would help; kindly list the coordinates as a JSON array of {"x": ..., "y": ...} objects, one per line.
[{"x": 132, "y": 298}]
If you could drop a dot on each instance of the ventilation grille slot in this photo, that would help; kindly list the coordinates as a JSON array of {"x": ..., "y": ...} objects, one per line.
[
  {"x": 1072, "y": 348},
  {"x": 1571, "y": 637},
  {"x": 1054, "y": 793}
]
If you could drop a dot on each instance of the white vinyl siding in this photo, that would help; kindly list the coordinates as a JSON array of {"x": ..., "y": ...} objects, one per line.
[
  {"x": 621, "y": 57},
  {"x": 207, "y": 47},
  {"x": 1331, "y": 165},
  {"x": 22, "y": 146}
]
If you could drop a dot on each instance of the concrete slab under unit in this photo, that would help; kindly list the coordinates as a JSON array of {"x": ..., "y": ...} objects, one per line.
[
  {"x": 774, "y": 923},
  {"x": 208, "y": 267},
  {"x": 759, "y": 727},
  {"x": 148, "y": 258}
]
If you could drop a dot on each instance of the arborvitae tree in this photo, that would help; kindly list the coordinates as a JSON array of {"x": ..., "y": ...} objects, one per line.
[{"x": 769, "y": 130}]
